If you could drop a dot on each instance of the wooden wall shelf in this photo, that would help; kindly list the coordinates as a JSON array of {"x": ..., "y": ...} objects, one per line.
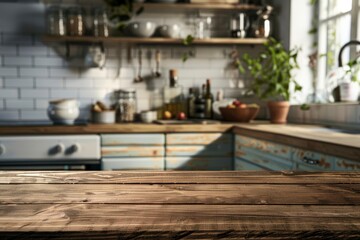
[
  {"x": 134, "y": 40},
  {"x": 194, "y": 6}
]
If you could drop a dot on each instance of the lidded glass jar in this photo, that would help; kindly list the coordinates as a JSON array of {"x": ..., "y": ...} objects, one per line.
[
  {"x": 100, "y": 22},
  {"x": 75, "y": 21},
  {"x": 126, "y": 105},
  {"x": 55, "y": 21}
]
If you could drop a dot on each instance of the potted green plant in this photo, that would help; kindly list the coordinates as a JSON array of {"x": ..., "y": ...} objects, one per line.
[
  {"x": 272, "y": 77},
  {"x": 349, "y": 88}
]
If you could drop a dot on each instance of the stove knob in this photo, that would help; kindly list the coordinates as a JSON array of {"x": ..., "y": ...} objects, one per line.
[
  {"x": 59, "y": 148},
  {"x": 74, "y": 148},
  {"x": 2, "y": 149}
]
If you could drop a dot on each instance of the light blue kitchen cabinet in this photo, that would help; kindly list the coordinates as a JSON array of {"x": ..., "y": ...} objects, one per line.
[
  {"x": 199, "y": 163},
  {"x": 346, "y": 165},
  {"x": 199, "y": 151},
  {"x": 256, "y": 154},
  {"x": 133, "y": 163},
  {"x": 305, "y": 160},
  {"x": 133, "y": 151}
]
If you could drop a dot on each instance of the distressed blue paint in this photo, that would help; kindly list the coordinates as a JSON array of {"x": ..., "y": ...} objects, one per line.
[
  {"x": 132, "y": 139},
  {"x": 198, "y": 163},
  {"x": 156, "y": 163}
]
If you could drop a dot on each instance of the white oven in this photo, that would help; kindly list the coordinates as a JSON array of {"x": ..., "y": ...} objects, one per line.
[{"x": 50, "y": 152}]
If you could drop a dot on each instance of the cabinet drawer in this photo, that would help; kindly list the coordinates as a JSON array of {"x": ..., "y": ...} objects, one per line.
[
  {"x": 200, "y": 151},
  {"x": 132, "y": 139},
  {"x": 198, "y": 163},
  {"x": 346, "y": 165},
  {"x": 156, "y": 163},
  {"x": 243, "y": 165},
  {"x": 266, "y": 147},
  {"x": 198, "y": 138},
  {"x": 312, "y": 161},
  {"x": 266, "y": 161},
  {"x": 132, "y": 151}
]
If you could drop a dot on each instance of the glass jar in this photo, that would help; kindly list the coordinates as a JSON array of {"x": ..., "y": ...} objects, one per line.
[
  {"x": 126, "y": 105},
  {"x": 55, "y": 21},
  {"x": 100, "y": 23},
  {"x": 75, "y": 21},
  {"x": 263, "y": 25}
]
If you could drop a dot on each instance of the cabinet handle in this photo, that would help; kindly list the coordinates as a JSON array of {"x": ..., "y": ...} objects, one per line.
[{"x": 310, "y": 161}]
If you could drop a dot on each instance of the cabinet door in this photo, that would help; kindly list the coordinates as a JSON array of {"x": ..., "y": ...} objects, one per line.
[
  {"x": 133, "y": 139},
  {"x": 264, "y": 154},
  {"x": 212, "y": 150},
  {"x": 132, "y": 151},
  {"x": 346, "y": 165},
  {"x": 199, "y": 138},
  {"x": 199, "y": 163},
  {"x": 312, "y": 161},
  {"x": 156, "y": 163},
  {"x": 244, "y": 165},
  {"x": 262, "y": 146}
]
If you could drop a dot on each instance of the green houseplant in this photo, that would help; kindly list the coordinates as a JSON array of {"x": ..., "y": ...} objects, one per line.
[{"x": 272, "y": 77}]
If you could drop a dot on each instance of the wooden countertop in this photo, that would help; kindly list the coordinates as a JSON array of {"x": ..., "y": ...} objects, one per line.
[
  {"x": 179, "y": 205},
  {"x": 115, "y": 128}
]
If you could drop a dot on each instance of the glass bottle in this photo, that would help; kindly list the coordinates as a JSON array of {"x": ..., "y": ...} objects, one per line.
[
  {"x": 55, "y": 21},
  {"x": 101, "y": 23},
  {"x": 75, "y": 22},
  {"x": 173, "y": 95},
  {"x": 200, "y": 104},
  {"x": 263, "y": 25},
  {"x": 191, "y": 104},
  {"x": 209, "y": 99},
  {"x": 126, "y": 105}
]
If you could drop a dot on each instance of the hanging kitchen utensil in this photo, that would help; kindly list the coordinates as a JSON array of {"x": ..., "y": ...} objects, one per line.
[
  {"x": 95, "y": 56},
  {"x": 341, "y": 71},
  {"x": 138, "y": 78},
  {"x": 157, "y": 59}
]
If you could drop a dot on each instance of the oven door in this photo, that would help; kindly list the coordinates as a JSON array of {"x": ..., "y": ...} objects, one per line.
[{"x": 62, "y": 152}]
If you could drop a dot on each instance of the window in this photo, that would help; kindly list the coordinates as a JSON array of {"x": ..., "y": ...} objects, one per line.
[{"x": 338, "y": 24}]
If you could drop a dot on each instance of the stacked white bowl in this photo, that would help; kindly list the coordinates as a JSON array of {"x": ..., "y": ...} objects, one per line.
[{"x": 63, "y": 111}]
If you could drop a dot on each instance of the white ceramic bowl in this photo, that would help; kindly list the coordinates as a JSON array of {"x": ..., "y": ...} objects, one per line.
[
  {"x": 63, "y": 116},
  {"x": 141, "y": 29},
  {"x": 148, "y": 116},
  {"x": 104, "y": 117},
  {"x": 169, "y": 31},
  {"x": 64, "y": 103}
]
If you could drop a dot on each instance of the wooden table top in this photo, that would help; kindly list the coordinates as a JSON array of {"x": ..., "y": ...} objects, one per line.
[{"x": 179, "y": 205}]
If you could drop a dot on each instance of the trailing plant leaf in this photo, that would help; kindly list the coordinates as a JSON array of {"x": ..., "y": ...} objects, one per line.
[{"x": 187, "y": 42}]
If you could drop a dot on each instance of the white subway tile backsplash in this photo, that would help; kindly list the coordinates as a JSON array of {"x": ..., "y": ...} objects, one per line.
[
  {"x": 49, "y": 83},
  {"x": 19, "y": 82},
  {"x": 48, "y": 62},
  {"x": 17, "y": 61},
  {"x": 63, "y": 93},
  {"x": 33, "y": 115},
  {"x": 351, "y": 112},
  {"x": 41, "y": 103},
  {"x": 13, "y": 39},
  {"x": 2, "y": 104},
  {"x": 34, "y": 93},
  {"x": 93, "y": 73},
  {"x": 64, "y": 72},
  {"x": 8, "y": 50},
  {"x": 9, "y": 115},
  {"x": 34, "y": 72},
  {"x": 19, "y": 104},
  {"x": 94, "y": 93},
  {"x": 106, "y": 83},
  {"x": 33, "y": 51},
  {"x": 8, "y": 93},
  {"x": 8, "y": 72},
  {"x": 78, "y": 83}
]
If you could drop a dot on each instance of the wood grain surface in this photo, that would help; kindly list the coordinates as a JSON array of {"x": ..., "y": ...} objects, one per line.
[{"x": 179, "y": 205}]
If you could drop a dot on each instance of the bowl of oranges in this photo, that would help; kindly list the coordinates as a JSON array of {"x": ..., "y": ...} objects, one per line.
[{"x": 239, "y": 112}]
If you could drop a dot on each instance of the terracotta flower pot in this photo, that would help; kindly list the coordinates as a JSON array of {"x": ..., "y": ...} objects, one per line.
[{"x": 278, "y": 111}]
